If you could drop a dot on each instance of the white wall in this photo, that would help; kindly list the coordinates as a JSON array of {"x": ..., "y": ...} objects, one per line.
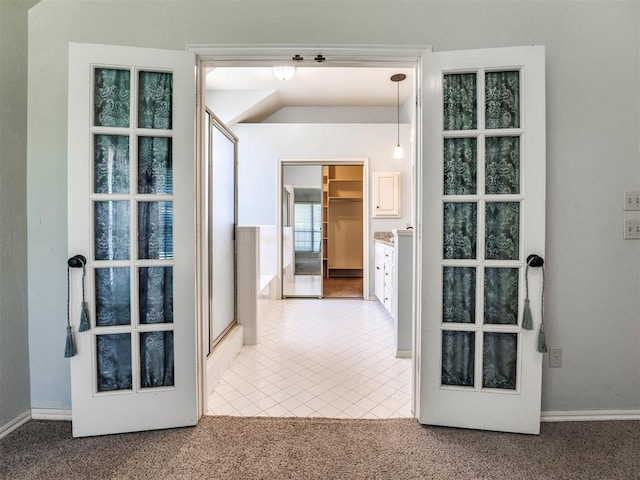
[
  {"x": 260, "y": 146},
  {"x": 335, "y": 115},
  {"x": 14, "y": 349},
  {"x": 593, "y": 105}
]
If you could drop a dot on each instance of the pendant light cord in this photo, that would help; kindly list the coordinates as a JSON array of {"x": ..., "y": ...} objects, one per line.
[{"x": 398, "y": 104}]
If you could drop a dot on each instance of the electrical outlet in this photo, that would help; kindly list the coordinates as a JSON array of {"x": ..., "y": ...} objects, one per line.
[
  {"x": 631, "y": 228},
  {"x": 555, "y": 357},
  {"x": 632, "y": 199}
]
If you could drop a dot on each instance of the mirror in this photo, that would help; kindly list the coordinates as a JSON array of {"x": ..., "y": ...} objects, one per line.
[{"x": 302, "y": 231}]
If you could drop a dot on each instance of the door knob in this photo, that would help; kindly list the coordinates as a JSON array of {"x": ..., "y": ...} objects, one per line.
[
  {"x": 534, "y": 260},
  {"x": 77, "y": 261}
]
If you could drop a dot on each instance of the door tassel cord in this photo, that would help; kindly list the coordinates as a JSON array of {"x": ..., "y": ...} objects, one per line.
[
  {"x": 84, "y": 309},
  {"x": 527, "y": 318},
  {"x": 542, "y": 340},
  {"x": 69, "y": 349},
  {"x": 77, "y": 261}
]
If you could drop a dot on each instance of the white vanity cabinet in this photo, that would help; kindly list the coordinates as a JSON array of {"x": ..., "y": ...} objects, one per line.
[
  {"x": 384, "y": 275},
  {"x": 393, "y": 285}
]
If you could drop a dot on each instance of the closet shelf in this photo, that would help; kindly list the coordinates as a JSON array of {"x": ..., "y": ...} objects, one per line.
[{"x": 345, "y": 199}]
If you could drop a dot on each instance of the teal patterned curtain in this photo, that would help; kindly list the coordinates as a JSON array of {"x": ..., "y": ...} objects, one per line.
[
  {"x": 502, "y": 99},
  {"x": 154, "y": 100},
  {"x": 501, "y": 296},
  {"x": 458, "y": 353},
  {"x": 502, "y": 171},
  {"x": 156, "y": 358},
  {"x": 499, "y": 360},
  {"x": 502, "y": 165},
  {"x": 114, "y": 362},
  {"x": 459, "y": 295},
  {"x": 460, "y": 101},
  {"x": 113, "y": 296},
  {"x": 111, "y": 164},
  {"x": 111, "y": 225},
  {"x": 460, "y": 166},
  {"x": 113, "y": 285},
  {"x": 502, "y": 230},
  {"x": 112, "y": 93},
  {"x": 155, "y": 165},
  {"x": 460, "y": 227}
]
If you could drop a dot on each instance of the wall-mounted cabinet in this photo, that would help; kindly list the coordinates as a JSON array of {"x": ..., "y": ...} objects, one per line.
[
  {"x": 342, "y": 220},
  {"x": 386, "y": 194}
]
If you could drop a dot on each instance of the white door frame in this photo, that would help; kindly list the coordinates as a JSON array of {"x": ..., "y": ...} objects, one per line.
[
  {"x": 364, "y": 162},
  {"x": 336, "y": 55}
]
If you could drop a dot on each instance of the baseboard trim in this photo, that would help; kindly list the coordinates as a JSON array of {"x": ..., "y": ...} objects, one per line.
[
  {"x": 10, "y": 426},
  {"x": 51, "y": 414},
  {"x": 404, "y": 353},
  {"x": 589, "y": 415}
]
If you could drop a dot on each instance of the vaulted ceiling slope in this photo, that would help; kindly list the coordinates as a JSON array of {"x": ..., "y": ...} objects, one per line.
[{"x": 253, "y": 94}]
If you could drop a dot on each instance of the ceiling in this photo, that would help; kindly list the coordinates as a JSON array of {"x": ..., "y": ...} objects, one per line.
[{"x": 311, "y": 86}]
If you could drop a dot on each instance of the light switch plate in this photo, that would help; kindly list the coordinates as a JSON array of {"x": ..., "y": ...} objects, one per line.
[
  {"x": 632, "y": 199},
  {"x": 632, "y": 229}
]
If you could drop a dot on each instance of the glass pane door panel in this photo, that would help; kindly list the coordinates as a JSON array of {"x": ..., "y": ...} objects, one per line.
[
  {"x": 111, "y": 229},
  {"x": 156, "y": 359},
  {"x": 459, "y": 295},
  {"x": 460, "y": 166},
  {"x": 155, "y": 165},
  {"x": 460, "y": 230},
  {"x": 154, "y": 100},
  {"x": 113, "y": 296},
  {"x": 114, "y": 362},
  {"x": 458, "y": 358},
  {"x": 502, "y": 96},
  {"x": 156, "y": 295},
  {"x": 502, "y": 231},
  {"x": 460, "y": 101},
  {"x": 112, "y": 93},
  {"x": 499, "y": 223},
  {"x": 501, "y": 296},
  {"x": 111, "y": 164},
  {"x": 502, "y": 165},
  {"x": 155, "y": 230},
  {"x": 499, "y": 360}
]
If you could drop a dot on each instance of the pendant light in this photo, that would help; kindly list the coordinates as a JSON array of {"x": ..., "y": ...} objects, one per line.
[{"x": 398, "y": 152}]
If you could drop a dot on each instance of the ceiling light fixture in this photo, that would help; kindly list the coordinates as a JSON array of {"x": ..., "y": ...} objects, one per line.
[
  {"x": 284, "y": 73},
  {"x": 398, "y": 152}
]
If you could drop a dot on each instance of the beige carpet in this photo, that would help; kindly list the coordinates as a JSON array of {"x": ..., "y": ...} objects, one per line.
[{"x": 309, "y": 448}]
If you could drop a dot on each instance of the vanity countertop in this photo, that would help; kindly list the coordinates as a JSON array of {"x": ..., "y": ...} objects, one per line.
[{"x": 383, "y": 237}]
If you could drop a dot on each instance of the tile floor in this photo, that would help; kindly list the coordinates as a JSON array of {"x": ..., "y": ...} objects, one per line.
[
  {"x": 303, "y": 285},
  {"x": 328, "y": 358}
]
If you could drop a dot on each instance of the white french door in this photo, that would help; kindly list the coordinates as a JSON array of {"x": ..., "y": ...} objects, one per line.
[
  {"x": 131, "y": 214},
  {"x": 482, "y": 213}
]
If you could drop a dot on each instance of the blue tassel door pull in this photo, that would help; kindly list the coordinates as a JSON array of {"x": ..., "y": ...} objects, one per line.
[
  {"x": 527, "y": 318},
  {"x": 84, "y": 309},
  {"x": 77, "y": 261}
]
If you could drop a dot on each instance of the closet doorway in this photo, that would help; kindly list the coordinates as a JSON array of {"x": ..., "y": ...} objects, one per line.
[{"x": 322, "y": 228}]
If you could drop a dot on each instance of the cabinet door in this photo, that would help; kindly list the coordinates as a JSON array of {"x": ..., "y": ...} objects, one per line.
[
  {"x": 386, "y": 194},
  {"x": 379, "y": 278}
]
